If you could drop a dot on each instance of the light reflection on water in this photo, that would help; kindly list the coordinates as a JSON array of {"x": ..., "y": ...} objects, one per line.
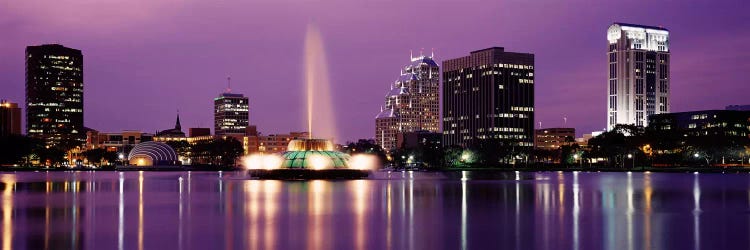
[{"x": 398, "y": 210}]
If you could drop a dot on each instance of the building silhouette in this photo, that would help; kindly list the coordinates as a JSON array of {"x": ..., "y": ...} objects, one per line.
[
  {"x": 54, "y": 93},
  {"x": 638, "y": 82}
]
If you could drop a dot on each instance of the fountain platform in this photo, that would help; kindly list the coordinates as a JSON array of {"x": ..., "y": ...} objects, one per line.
[
  {"x": 306, "y": 159},
  {"x": 309, "y": 174}
]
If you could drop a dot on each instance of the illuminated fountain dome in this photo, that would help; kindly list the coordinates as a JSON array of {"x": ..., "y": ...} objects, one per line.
[
  {"x": 152, "y": 154},
  {"x": 313, "y": 154}
]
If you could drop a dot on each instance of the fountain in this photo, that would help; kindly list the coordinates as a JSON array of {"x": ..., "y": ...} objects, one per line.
[{"x": 312, "y": 158}]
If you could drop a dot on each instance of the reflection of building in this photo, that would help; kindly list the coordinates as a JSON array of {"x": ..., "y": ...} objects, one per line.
[
  {"x": 152, "y": 154},
  {"x": 173, "y": 134},
  {"x": 10, "y": 118},
  {"x": 419, "y": 139},
  {"x": 553, "y": 138},
  {"x": 489, "y": 95},
  {"x": 638, "y": 79},
  {"x": 230, "y": 115},
  {"x": 713, "y": 123},
  {"x": 54, "y": 93},
  {"x": 412, "y": 103},
  {"x": 115, "y": 142}
]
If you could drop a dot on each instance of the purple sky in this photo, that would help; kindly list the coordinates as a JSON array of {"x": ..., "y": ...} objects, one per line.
[{"x": 145, "y": 59}]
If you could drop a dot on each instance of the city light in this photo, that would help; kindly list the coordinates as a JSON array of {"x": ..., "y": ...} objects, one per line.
[
  {"x": 261, "y": 161},
  {"x": 319, "y": 162},
  {"x": 363, "y": 162}
]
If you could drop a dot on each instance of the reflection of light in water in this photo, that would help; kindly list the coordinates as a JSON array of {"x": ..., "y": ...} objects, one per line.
[
  {"x": 271, "y": 191},
  {"x": 360, "y": 190},
  {"x": 464, "y": 228},
  {"x": 576, "y": 211},
  {"x": 10, "y": 184},
  {"x": 696, "y": 213},
  {"x": 140, "y": 209},
  {"x": 316, "y": 207},
  {"x": 647, "y": 192},
  {"x": 389, "y": 222},
  {"x": 121, "y": 215},
  {"x": 179, "y": 215},
  {"x": 252, "y": 189},
  {"x": 630, "y": 209}
]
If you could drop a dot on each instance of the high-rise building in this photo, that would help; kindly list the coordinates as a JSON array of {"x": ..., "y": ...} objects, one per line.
[
  {"x": 638, "y": 80},
  {"x": 230, "y": 115},
  {"x": 54, "y": 93},
  {"x": 489, "y": 96},
  {"x": 10, "y": 118},
  {"x": 412, "y": 104}
]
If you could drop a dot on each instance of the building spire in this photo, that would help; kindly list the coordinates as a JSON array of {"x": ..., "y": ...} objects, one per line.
[
  {"x": 432, "y": 53},
  {"x": 177, "y": 124}
]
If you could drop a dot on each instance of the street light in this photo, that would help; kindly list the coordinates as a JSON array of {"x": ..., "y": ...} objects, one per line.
[
  {"x": 631, "y": 156},
  {"x": 121, "y": 156}
]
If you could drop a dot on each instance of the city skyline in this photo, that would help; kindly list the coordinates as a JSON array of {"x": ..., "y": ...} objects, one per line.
[{"x": 186, "y": 74}]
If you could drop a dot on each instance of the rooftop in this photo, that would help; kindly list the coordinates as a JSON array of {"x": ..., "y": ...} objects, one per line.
[{"x": 641, "y": 26}]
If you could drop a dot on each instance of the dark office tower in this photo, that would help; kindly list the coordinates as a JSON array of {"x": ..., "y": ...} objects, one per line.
[
  {"x": 54, "y": 93},
  {"x": 488, "y": 99},
  {"x": 10, "y": 118},
  {"x": 638, "y": 82},
  {"x": 230, "y": 114}
]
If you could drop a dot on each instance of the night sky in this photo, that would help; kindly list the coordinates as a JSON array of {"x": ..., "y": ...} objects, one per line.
[{"x": 143, "y": 60}]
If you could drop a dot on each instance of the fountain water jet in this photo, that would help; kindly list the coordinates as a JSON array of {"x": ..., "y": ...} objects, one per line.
[
  {"x": 318, "y": 87},
  {"x": 312, "y": 158}
]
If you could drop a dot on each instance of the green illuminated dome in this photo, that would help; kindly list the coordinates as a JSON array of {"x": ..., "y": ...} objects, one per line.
[{"x": 313, "y": 154}]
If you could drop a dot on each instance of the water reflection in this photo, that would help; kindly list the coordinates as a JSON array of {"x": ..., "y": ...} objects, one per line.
[{"x": 400, "y": 210}]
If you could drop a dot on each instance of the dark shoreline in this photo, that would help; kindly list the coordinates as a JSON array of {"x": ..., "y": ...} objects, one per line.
[{"x": 473, "y": 169}]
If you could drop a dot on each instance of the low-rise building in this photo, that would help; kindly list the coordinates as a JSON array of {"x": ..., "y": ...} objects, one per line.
[
  {"x": 553, "y": 138},
  {"x": 10, "y": 118},
  {"x": 732, "y": 123}
]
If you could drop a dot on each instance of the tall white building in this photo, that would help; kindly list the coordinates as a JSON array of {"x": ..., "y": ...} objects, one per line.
[
  {"x": 638, "y": 79},
  {"x": 412, "y": 103}
]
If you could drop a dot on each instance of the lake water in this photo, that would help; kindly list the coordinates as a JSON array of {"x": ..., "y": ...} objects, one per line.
[{"x": 398, "y": 210}]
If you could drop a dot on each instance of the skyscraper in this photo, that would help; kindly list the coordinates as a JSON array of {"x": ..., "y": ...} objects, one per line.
[
  {"x": 10, "y": 118},
  {"x": 412, "y": 103},
  {"x": 488, "y": 97},
  {"x": 638, "y": 79},
  {"x": 230, "y": 115},
  {"x": 54, "y": 93}
]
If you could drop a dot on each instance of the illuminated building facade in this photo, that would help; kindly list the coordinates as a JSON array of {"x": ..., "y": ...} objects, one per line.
[
  {"x": 117, "y": 141},
  {"x": 230, "y": 115},
  {"x": 553, "y": 138},
  {"x": 10, "y": 118},
  {"x": 638, "y": 74},
  {"x": 489, "y": 95},
  {"x": 412, "y": 104},
  {"x": 716, "y": 124},
  {"x": 54, "y": 93},
  {"x": 254, "y": 142}
]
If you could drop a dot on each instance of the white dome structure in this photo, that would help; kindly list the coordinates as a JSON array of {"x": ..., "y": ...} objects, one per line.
[{"x": 152, "y": 153}]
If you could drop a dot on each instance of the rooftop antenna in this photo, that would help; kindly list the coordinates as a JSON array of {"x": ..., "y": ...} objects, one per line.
[
  {"x": 229, "y": 84},
  {"x": 432, "y": 53},
  {"x": 540, "y": 125},
  {"x": 411, "y": 55},
  {"x": 565, "y": 121},
  {"x": 420, "y": 52}
]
